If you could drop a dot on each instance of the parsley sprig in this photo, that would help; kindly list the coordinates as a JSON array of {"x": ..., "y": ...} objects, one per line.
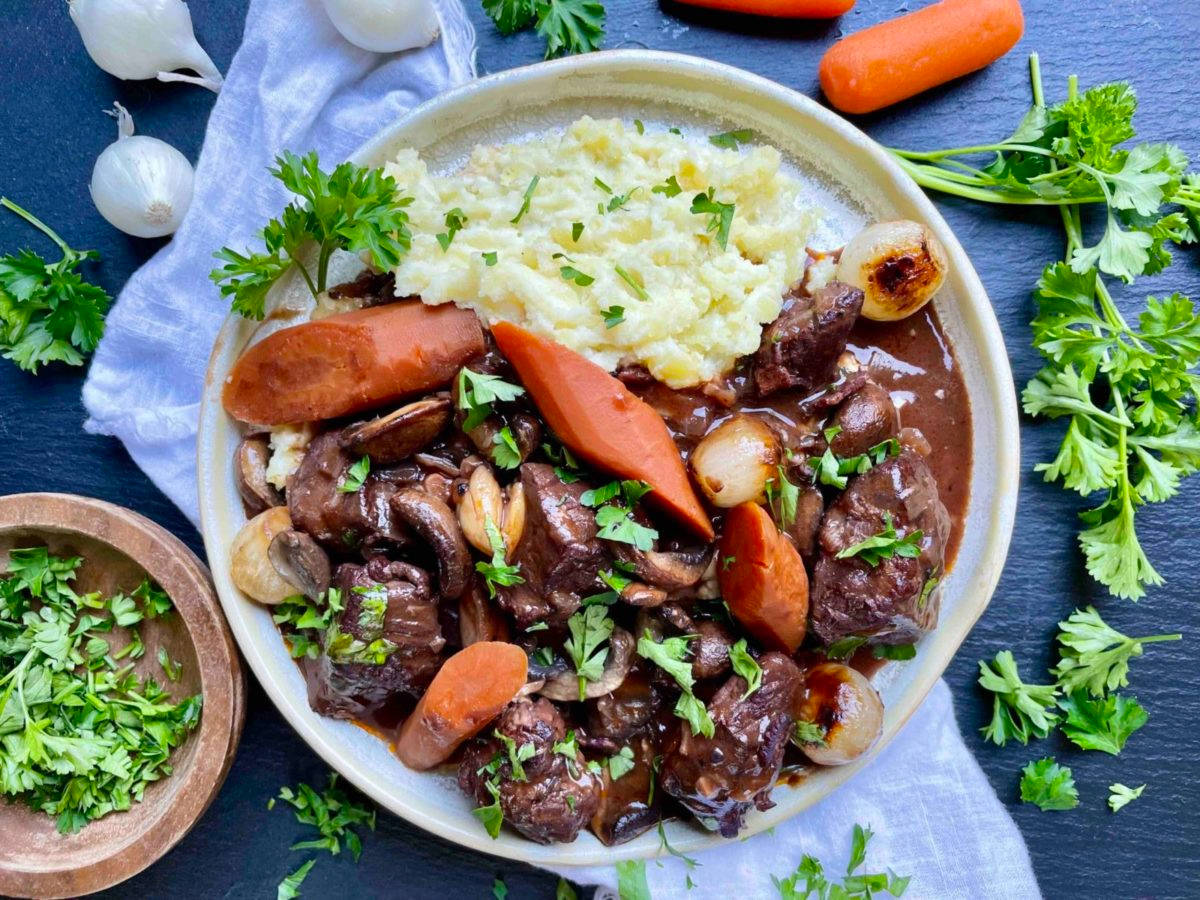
[
  {"x": 1128, "y": 393},
  {"x": 1019, "y": 710},
  {"x": 668, "y": 655},
  {"x": 810, "y": 881},
  {"x": 590, "y": 629},
  {"x": 720, "y": 215},
  {"x": 352, "y": 208},
  {"x": 569, "y": 26},
  {"x": 498, "y": 571},
  {"x": 1096, "y": 656},
  {"x": 614, "y": 504},
  {"x": 334, "y": 816},
  {"x": 47, "y": 312},
  {"x": 885, "y": 545},
  {"x": 477, "y": 391},
  {"x": 1048, "y": 785}
]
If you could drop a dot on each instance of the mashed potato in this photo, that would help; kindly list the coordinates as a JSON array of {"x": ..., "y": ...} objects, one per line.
[{"x": 703, "y": 306}]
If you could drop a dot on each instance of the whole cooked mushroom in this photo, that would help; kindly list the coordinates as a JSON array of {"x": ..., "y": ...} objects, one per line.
[
  {"x": 565, "y": 687},
  {"x": 437, "y": 525},
  {"x": 250, "y": 567},
  {"x": 398, "y": 435},
  {"x": 301, "y": 561},
  {"x": 250, "y": 472},
  {"x": 669, "y": 569}
]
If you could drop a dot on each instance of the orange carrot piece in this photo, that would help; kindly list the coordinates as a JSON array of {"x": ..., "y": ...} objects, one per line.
[
  {"x": 602, "y": 422},
  {"x": 351, "y": 362},
  {"x": 780, "y": 9},
  {"x": 897, "y": 59},
  {"x": 467, "y": 693},
  {"x": 763, "y": 579}
]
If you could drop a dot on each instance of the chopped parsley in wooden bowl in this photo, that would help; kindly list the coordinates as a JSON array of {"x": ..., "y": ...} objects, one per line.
[{"x": 121, "y": 695}]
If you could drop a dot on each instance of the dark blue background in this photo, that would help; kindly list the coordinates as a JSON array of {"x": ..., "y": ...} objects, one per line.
[{"x": 51, "y": 131}]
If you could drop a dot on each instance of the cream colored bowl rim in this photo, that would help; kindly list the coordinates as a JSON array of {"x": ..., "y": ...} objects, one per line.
[{"x": 986, "y": 345}]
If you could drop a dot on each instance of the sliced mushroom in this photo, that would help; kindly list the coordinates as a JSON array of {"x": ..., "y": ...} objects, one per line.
[
  {"x": 565, "y": 687},
  {"x": 637, "y": 594},
  {"x": 478, "y": 618},
  {"x": 670, "y": 569},
  {"x": 527, "y": 432},
  {"x": 435, "y": 523},
  {"x": 482, "y": 500},
  {"x": 300, "y": 560},
  {"x": 250, "y": 565},
  {"x": 250, "y": 471},
  {"x": 398, "y": 435}
]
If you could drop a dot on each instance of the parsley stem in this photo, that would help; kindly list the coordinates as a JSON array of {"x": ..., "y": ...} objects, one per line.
[{"x": 38, "y": 224}]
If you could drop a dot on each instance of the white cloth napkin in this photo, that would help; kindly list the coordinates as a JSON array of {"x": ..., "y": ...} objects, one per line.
[{"x": 295, "y": 84}]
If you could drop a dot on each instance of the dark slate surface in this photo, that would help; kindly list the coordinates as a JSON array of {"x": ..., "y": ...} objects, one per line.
[{"x": 52, "y": 129}]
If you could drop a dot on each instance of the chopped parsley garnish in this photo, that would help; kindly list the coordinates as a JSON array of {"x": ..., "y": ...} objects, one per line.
[
  {"x": 1101, "y": 724},
  {"x": 809, "y": 879},
  {"x": 172, "y": 669},
  {"x": 47, "y": 312},
  {"x": 352, "y": 208},
  {"x": 675, "y": 131},
  {"x": 783, "y": 498},
  {"x": 690, "y": 864},
  {"x": 569, "y": 749},
  {"x": 615, "y": 581},
  {"x": 1048, "y": 785},
  {"x": 333, "y": 814},
  {"x": 533, "y": 183},
  {"x": 355, "y": 476},
  {"x": 615, "y": 520},
  {"x": 619, "y": 200},
  {"x": 478, "y": 391},
  {"x": 570, "y": 273},
  {"x": 669, "y": 188},
  {"x": 600, "y": 184},
  {"x": 306, "y": 623},
  {"x": 805, "y": 732},
  {"x": 668, "y": 655},
  {"x": 590, "y": 629},
  {"x": 730, "y": 140},
  {"x": 613, "y": 316},
  {"x": 489, "y": 258},
  {"x": 498, "y": 571},
  {"x": 844, "y": 648},
  {"x": 834, "y": 471},
  {"x": 634, "y": 283},
  {"x": 894, "y": 651},
  {"x": 637, "y": 123},
  {"x": 456, "y": 221},
  {"x": 1096, "y": 656},
  {"x": 505, "y": 452},
  {"x": 885, "y": 545},
  {"x": 566, "y": 465},
  {"x": 631, "y": 880},
  {"x": 83, "y": 735},
  {"x": 720, "y": 215},
  {"x": 543, "y": 656},
  {"x": 499, "y": 889},
  {"x": 927, "y": 590},
  {"x": 576, "y": 231},
  {"x": 621, "y": 763},
  {"x": 492, "y": 816},
  {"x": 1019, "y": 710},
  {"x": 746, "y": 666},
  {"x": 1120, "y": 796},
  {"x": 516, "y": 755}
]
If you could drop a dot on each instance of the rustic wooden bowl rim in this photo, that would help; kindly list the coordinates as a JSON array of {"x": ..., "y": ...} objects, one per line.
[{"x": 184, "y": 577}]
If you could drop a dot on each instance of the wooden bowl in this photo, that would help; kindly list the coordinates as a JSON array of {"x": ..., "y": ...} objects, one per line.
[{"x": 119, "y": 548}]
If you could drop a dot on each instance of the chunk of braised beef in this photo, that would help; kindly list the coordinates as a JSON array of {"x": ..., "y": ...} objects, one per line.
[
  {"x": 710, "y": 649},
  {"x": 372, "y": 288},
  {"x": 559, "y": 550},
  {"x": 344, "y": 521},
  {"x": 527, "y": 607},
  {"x": 558, "y": 795},
  {"x": 718, "y": 779},
  {"x": 868, "y": 417},
  {"x": 890, "y": 602},
  {"x": 628, "y": 805},
  {"x": 800, "y": 348},
  {"x": 385, "y": 601},
  {"x": 628, "y": 709}
]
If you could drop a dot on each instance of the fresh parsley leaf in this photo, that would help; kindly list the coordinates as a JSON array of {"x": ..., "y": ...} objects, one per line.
[
  {"x": 489, "y": 258},
  {"x": 570, "y": 26},
  {"x": 613, "y": 316},
  {"x": 456, "y": 221},
  {"x": 289, "y": 888},
  {"x": 1120, "y": 796},
  {"x": 894, "y": 651},
  {"x": 615, "y": 520},
  {"x": 783, "y": 499},
  {"x": 564, "y": 891},
  {"x": 355, "y": 476},
  {"x": 576, "y": 231},
  {"x": 589, "y": 629},
  {"x": 477, "y": 392},
  {"x": 669, "y": 188},
  {"x": 844, "y": 648},
  {"x": 1096, "y": 656},
  {"x": 621, "y": 763},
  {"x": 668, "y": 655},
  {"x": 720, "y": 215},
  {"x": 48, "y": 313},
  {"x": 517, "y": 755},
  {"x": 1019, "y": 710},
  {"x": 730, "y": 140},
  {"x": 533, "y": 183},
  {"x": 510, "y": 16},
  {"x": 805, "y": 732},
  {"x": 746, "y": 666},
  {"x": 810, "y": 880},
  {"x": 570, "y": 273},
  {"x": 332, "y": 813},
  {"x": 1048, "y": 785},
  {"x": 885, "y": 545},
  {"x": 690, "y": 863},
  {"x": 634, "y": 283},
  {"x": 492, "y": 816},
  {"x": 499, "y": 889},
  {"x": 172, "y": 669},
  {"x": 1101, "y": 724},
  {"x": 352, "y": 208},
  {"x": 498, "y": 571},
  {"x": 505, "y": 452}
]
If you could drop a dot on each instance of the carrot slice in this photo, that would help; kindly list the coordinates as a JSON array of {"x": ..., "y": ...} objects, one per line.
[
  {"x": 468, "y": 691},
  {"x": 894, "y": 60},
  {"x": 780, "y": 9},
  {"x": 762, "y": 578},
  {"x": 351, "y": 362},
  {"x": 602, "y": 422}
]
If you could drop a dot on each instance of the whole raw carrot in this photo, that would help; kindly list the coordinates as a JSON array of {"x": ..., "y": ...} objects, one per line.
[
  {"x": 780, "y": 9},
  {"x": 896, "y": 59}
]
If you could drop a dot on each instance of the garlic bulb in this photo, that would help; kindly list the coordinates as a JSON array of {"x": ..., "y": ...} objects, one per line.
[
  {"x": 384, "y": 26},
  {"x": 135, "y": 39},
  {"x": 141, "y": 185}
]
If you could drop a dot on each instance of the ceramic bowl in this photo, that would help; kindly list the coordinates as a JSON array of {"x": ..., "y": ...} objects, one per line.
[
  {"x": 119, "y": 549},
  {"x": 844, "y": 172}
]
